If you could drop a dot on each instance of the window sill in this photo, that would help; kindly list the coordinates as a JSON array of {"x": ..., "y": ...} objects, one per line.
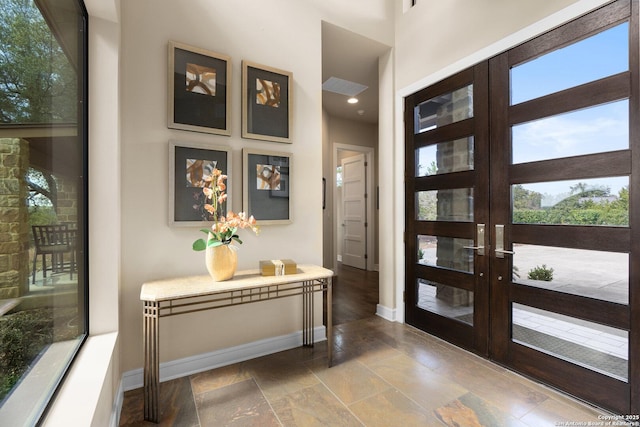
[
  {"x": 24, "y": 405},
  {"x": 80, "y": 400}
]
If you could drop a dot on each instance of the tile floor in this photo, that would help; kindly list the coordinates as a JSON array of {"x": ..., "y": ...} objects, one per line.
[{"x": 385, "y": 374}]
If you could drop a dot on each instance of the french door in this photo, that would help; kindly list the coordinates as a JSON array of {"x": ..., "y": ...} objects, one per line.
[
  {"x": 521, "y": 239},
  {"x": 447, "y": 208}
]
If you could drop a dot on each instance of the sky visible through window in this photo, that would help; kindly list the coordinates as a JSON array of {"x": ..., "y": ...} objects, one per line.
[{"x": 592, "y": 130}]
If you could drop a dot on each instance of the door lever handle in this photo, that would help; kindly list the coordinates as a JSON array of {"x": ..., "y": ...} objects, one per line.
[
  {"x": 500, "y": 251},
  {"x": 480, "y": 240}
]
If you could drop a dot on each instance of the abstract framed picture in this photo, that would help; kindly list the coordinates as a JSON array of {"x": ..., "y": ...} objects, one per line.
[
  {"x": 199, "y": 90},
  {"x": 189, "y": 166},
  {"x": 266, "y": 186},
  {"x": 266, "y": 103}
]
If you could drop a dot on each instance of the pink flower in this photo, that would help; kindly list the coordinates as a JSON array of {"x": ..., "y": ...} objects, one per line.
[{"x": 223, "y": 230}]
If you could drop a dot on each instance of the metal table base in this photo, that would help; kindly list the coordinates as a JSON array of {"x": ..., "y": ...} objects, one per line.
[{"x": 174, "y": 297}]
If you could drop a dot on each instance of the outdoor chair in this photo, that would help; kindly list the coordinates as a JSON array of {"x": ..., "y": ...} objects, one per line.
[{"x": 56, "y": 241}]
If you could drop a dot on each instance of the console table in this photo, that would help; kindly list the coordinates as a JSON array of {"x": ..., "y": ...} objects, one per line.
[{"x": 171, "y": 297}]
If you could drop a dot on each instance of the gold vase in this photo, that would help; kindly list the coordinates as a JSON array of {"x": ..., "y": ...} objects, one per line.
[{"x": 222, "y": 262}]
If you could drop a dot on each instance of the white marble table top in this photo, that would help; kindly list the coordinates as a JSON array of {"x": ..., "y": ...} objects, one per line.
[{"x": 194, "y": 286}]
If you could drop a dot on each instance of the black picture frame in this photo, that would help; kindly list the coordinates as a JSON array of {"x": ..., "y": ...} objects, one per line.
[
  {"x": 199, "y": 97},
  {"x": 266, "y": 103},
  {"x": 266, "y": 186},
  {"x": 186, "y": 199}
]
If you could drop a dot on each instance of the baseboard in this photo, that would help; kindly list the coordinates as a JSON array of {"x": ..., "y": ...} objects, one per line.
[
  {"x": 203, "y": 362},
  {"x": 386, "y": 312}
]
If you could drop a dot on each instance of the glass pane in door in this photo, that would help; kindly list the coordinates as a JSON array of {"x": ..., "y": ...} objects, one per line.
[
  {"x": 445, "y": 157},
  {"x": 444, "y": 109},
  {"x": 595, "y": 57},
  {"x": 451, "y": 204},
  {"x": 601, "y": 201},
  {"x": 597, "y": 347},
  {"x": 594, "y": 274},
  {"x": 445, "y": 300},
  {"x": 592, "y": 130},
  {"x": 446, "y": 252}
]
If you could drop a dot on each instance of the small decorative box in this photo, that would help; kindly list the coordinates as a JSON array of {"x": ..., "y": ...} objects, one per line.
[{"x": 277, "y": 267}]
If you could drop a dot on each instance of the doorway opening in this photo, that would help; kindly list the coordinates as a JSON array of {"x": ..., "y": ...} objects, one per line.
[{"x": 354, "y": 230}]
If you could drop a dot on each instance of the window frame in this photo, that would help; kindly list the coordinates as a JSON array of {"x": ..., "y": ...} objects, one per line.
[{"x": 44, "y": 401}]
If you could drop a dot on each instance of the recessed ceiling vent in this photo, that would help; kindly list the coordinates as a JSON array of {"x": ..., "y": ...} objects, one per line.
[{"x": 343, "y": 87}]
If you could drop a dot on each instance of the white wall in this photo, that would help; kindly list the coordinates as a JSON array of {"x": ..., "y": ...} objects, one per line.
[
  {"x": 390, "y": 181},
  {"x": 285, "y": 34},
  {"x": 433, "y": 35}
]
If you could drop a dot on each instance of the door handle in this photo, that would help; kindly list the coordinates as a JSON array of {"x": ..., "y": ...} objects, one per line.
[
  {"x": 500, "y": 251},
  {"x": 479, "y": 240}
]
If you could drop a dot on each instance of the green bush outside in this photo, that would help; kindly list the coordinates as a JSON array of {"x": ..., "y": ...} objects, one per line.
[
  {"x": 588, "y": 207},
  {"x": 25, "y": 334},
  {"x": 541, "y": 273},
  {"x": 42, "y": 215}
]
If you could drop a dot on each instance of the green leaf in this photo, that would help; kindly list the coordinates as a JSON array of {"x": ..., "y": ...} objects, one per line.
[
  {"x": 199, "y": 245},
  {"x": 213, "y": 243},
  {"x": 205, "y": 230}
]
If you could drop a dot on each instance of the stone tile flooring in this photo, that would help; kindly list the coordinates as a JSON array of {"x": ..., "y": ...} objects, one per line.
[{"x": 385, "y": 374}]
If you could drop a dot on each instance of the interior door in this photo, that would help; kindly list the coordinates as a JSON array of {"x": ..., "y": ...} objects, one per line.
[
  {"x": 354, "y": 211},
  {"x": 447, "y": 292}
]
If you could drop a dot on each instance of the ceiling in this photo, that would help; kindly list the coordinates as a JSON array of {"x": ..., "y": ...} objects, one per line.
[{"x": 354, "y": 58}]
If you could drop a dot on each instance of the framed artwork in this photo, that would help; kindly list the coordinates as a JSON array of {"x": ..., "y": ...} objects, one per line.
[
  {"x": 189, "y": 165},
  {"x": 199, "y": 90},
  {"x": 266, "y": 186},
  {"x": 266, "y": 103}
]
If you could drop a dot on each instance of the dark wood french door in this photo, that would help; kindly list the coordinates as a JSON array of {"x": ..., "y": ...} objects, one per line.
[
  {"x": 522, "y": 179},
  {"x": 447, "y": 207}
]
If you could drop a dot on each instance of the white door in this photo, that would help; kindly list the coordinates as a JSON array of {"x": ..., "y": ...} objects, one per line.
[{"x": 354, "y": 211}]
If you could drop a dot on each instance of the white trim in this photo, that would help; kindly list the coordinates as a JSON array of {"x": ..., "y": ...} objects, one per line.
[
  {"x": 216, "y": 359},
  {"x": 371, "y": 229},
  {"x": 398, "y": 207},
  {"x": 386, "y": 313},
  {"x": 117, "y": 405},
  {"x": 89, "y": 381}
]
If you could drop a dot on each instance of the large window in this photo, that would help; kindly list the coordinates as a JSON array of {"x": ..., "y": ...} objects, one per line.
[{"x": 43, "y": 277}]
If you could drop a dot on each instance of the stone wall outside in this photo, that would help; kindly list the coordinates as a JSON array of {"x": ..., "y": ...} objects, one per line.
[{"x": 14, "y": 228}]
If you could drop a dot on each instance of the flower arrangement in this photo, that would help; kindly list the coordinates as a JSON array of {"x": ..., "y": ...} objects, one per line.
[{"x": 224, "y": 229}]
